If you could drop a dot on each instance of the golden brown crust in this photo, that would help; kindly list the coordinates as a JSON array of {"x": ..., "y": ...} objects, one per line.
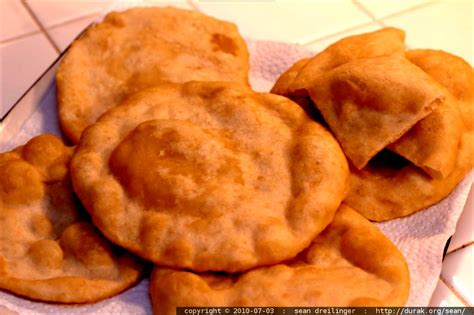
[
  {"x": 47, "y": 251},
  {"x": 138, "y": 48},
  {"x": 351, "y": 263},
  {"x": 283, "y": 83},
  {"x": 370, "y": 103},
  {"x": 75, "y": 289},
  {"x": 452, "y": 72},
  {"x": 385, "y": 42},
  {"x": 380, "y": 194},
  {"x": 409, "y": 189},
  {"x": 312, "y": 74},
  {"x": 180, "y": 174},
  {"x": 294, "y": 82},
  {"x": 432, "y": 144},
  {"x": 432, "y": 138}
]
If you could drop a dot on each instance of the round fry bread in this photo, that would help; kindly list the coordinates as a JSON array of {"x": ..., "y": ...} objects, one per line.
[
  {"x": 47, "y": 250},
  {"x": 351, "y": 263},
  {"x": 209, "y": 176},
  {"x": 381, "y": 192},
  {"x": 138, "y": 48}
]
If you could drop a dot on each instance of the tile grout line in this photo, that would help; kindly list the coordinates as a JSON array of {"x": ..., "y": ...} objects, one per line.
[
  {"x": 453, "y": 291},
  {"x": 367, "y": 12},
  {"x": 314, "y": 41},
  {"x": 14, "y": 38},
  {"x": 193, "y": 5},
  {"x": 64, "y": 23},
  {"x": 407, "y": 10},
  {"x": 40, "y": 25},
  {"x": 460, "y": 247},
  {"x": 379, "y": 21},
  {"x": 52, "y": 27}
]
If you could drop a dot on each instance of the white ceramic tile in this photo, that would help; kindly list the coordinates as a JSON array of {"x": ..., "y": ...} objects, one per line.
[
  {"x": 64, "y": 34},
  {"x": 290, "y": 21},
  {"x": 446, "y": 25},
  {"x": 22, "y": 62},
  {"x": 122, "y": 5},
  {"x": 54, "y": 12},
  {"x": 382, "y": 8},
  {"x": 465, "y": 228},
  {"x": 320, "y": 45},
  {"x": 458, "y": 272},
  {"x": 443, "y": 296},
  {"x": 15, "y": 20}
]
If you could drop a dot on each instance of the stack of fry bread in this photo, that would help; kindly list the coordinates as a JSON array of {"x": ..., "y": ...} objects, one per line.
[{"x": 171, "y": 167}]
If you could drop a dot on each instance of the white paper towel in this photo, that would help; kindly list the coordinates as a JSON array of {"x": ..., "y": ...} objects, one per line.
[{"x": 421, "y": 237}]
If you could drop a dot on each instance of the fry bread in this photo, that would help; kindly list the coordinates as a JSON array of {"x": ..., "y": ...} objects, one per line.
[
  {"x": 351, "y": 263},
  {"x": 138, "y": 48},
  {"x": 283, "y": 83},
  {"x": 48, "y": 249},
  {"x": 182, "y": 173},
  {"x": 408, "y": 189},
  {"x": 454, "y": 73},
  {"x": 432, "y": 144},
  {"x": 385, "y": 42},
  {"x": 370, "y": 103}
]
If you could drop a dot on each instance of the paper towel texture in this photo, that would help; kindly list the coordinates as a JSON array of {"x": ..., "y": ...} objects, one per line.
[{"x": 420, "y": 237}]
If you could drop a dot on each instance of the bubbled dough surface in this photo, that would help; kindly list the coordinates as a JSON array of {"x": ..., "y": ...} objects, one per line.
[
  {"x": 47, "y": 250},
  {"x": 209, "y": 176},
  {"x": 351, "y": 263},
  {"x": 138, "y": 48}
]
